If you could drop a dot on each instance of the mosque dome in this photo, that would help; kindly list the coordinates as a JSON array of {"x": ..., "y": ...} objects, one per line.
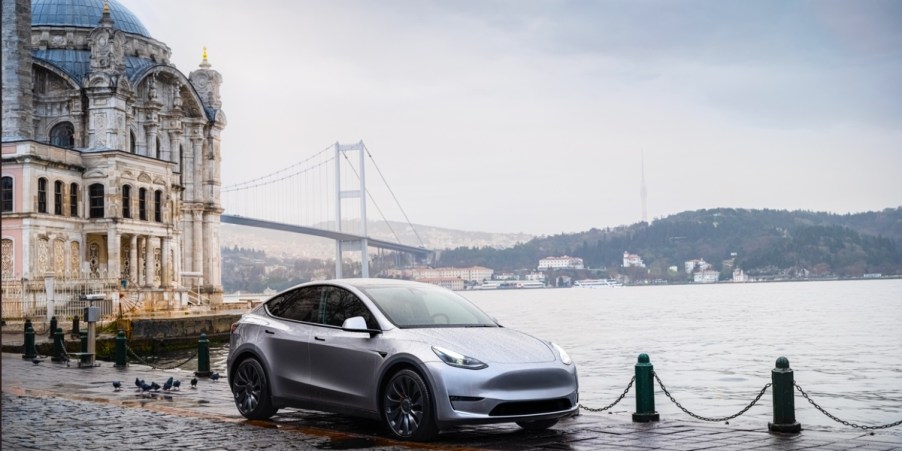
[{"x": 84, "y": 14}]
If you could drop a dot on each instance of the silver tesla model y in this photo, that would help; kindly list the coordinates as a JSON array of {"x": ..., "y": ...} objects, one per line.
[{"x": 419, "y": 357}]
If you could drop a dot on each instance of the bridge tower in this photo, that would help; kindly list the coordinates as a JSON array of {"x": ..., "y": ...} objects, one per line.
[{"x": 359, "y": 193}]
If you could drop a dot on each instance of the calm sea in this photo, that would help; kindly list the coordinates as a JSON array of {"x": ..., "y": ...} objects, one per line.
[{"x": 714, "y": 346}]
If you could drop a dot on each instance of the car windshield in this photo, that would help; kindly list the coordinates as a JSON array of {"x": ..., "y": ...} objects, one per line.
[{"x": 426, "y": 306}]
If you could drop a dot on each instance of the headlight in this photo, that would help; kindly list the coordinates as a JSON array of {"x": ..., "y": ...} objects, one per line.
[
  {"x": 564, "y": 356},
  {"x": 458, "y": 360}
]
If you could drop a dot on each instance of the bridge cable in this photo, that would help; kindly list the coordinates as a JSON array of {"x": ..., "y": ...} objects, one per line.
[
  {"x": 393, "y": 195},
  {"x": 374, "y": 201},
  {"x": 236, "y": 186}
]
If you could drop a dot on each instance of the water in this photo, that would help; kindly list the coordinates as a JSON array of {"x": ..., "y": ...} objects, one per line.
[{"x": 714, "y": 346}]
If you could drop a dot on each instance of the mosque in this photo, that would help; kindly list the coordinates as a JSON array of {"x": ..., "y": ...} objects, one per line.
[{"x": 110, "y": 154}]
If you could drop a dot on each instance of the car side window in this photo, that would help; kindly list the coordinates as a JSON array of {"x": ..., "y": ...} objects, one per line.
[
  {"x": 301, "y": 304},
  {"x": 340, "y": 304}
]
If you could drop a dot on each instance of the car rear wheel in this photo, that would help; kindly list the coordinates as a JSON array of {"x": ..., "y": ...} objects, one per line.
[
  {"x": 538, "y": 425},
  {"x": 408, "y": 408},
  {"x": 251, "y": 390}
]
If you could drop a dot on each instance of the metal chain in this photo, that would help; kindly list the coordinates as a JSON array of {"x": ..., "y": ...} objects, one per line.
[
  {"x": 859, "y": 426},
  {"x": 664, "y": 389},
  {"x": 129, "y": 349},
  {"x": 623, "y": 395}
]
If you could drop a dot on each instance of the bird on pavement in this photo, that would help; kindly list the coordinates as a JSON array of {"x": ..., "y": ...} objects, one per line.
[
  {"x": 145, "y": 388},
  {"x": 154, "y": 386},
  {"x": 193, "y": 382},
  {"x": 176, "y": 384},
  {"x": 214, "y": 377},
  {"x": 117, "y": 385},
  {"x": 168, "y": 384},
  {"x": 36, "y": 361},
  {"x": 139, "y": 383}
]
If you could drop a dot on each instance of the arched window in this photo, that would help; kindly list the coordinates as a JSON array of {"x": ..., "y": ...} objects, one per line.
[
  {"x": 158, "y": 206},
  {"x": 7, "y": 194},
  {"x": 159, "y": 149},
  {"x": 58, "y": 197},
  {"x": 95, "y": 197},
  {"x": 131, "y": 142},
  {"x": 127, "y": 201},
  {"x": 142, "y": 204},
  {"x": 42, "y": 195},
  {"x": 73, "y": 200},
  {"x": 63, "y": 135}
]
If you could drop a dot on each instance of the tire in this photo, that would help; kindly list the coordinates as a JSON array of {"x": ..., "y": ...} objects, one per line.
[
  {"x": 251, "y": 391},
  {"x": 538, "y": 425},
  {"x": 407, "y": 407}
]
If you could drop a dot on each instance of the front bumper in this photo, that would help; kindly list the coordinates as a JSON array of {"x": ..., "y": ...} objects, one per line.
[{"x": 503, "y": 393}]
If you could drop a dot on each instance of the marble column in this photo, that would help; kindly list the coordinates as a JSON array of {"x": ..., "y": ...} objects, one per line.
[
  {"x": 148, "y": 261},
  {"x": 133, "y": 260},
  {"x": 112, "y": 253},
  {"x": 165, "y": 264}
]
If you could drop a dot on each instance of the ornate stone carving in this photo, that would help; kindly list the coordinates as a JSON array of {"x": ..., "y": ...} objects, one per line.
[
  {"x": 43, "y": 256},
  {"x": 6, "y": 254},
  {"x": 74, "y": 259},
  {"x": 59, "y": 258}
]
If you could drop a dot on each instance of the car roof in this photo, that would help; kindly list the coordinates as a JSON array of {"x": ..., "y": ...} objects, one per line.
[{"x": 363, "y": 283}]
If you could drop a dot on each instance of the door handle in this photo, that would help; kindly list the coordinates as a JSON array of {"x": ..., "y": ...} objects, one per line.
[
  {"x": 269, "y": 331},
  {"x": 319, "y": 339}
]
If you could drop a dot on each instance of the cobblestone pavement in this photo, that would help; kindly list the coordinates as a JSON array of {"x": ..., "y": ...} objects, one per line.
[{"x": 52, "y": 406}]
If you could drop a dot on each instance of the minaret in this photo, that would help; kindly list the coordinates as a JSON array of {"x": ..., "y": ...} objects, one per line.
[
  {"x": 643, "y": 192},
  {"x": 17, "y": 90}
]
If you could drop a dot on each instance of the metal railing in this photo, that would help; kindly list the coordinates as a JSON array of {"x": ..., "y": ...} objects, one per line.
[{"x": 27, "y": 299}]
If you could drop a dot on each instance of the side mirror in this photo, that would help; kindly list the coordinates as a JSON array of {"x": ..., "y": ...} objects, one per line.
[{"x": 357, "y": 324}]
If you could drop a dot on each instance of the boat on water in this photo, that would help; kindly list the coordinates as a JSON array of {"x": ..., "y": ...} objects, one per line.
[{"x": 596, "y": 283}]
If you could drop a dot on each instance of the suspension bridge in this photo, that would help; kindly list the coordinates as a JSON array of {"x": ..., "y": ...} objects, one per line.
[{"x": 324, "y": 195}]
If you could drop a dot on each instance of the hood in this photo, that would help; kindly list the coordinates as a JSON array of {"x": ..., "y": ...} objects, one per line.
[{"x": 488, "y": 344}]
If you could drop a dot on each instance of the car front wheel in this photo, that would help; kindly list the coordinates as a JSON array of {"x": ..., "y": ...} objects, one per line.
[
  {"x": 407, "y": 407},
  {"x": 251, "y": 391}
]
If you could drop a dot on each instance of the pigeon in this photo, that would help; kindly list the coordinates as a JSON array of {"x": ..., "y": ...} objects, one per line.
[
  {"x": 117, "y": 385},
  {"x": 214, "y": 377},
  {"x": 145, "y": 388},
  {"x": 176, "y": 384},
  {"x": 36, "y": 361},
  {"x": 193, "y": 382},
  {"x": 168, "y": 384},
  {"x": 139, "y": 383},
  {"x": 154, "y": 386}
]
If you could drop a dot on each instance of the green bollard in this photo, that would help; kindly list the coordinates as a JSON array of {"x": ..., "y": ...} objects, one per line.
[
  {"x": 784, "y": 401},
  {"x": 59, "y": 346},
  {"x": 203, "y": 357},
  {"x": 645, "y": 391},
  {"x": 30, "y": 351},
  {"x": 121, "y": 357},
  {"x": 84, "y": 341},
  {"x": 52, "y": 327}
]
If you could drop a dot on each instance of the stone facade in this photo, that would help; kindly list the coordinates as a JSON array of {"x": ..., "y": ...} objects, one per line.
[{"x": 111, "y": 155}]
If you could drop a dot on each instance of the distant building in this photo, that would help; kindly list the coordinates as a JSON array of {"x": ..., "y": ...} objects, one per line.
[
  {"x": 696, "y": 265},
  {"x": 706, "y": 276},
  {"x": 632, "y": 260},
  {"x": 473, "y": 273},
  {"x": 451, "y": 283},
  {"x": 537, "y": 276},
  {"x": 564, "y": 262},
  {"x": 740, "y": 276}
]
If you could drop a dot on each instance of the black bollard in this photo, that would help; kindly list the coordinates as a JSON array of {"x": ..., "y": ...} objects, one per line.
[
  {"x": 75, "y": 325},
  {"x": 121, "y": 356},
  {"x": 52, "y": 327},
  {"x": 59, "y": 346},
  {"x": 784, "y": 403},
  {"x": 84, "y": 341},
  {"x": 27, "y": 325},
  {"x": 30, "y": 351}
]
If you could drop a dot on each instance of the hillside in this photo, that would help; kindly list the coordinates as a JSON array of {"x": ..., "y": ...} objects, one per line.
[{"x": 761, "y": 242}]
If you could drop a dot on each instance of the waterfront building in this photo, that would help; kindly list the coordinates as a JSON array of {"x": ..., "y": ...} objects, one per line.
[
  {"x": 471, "y": 274},
  {"x": 563, "y": 262},
  {"x": 706, "y": 276},
  {"x": 632, "y": 260},
  {"x": 696, "y": 265},
  {"x": 111, "y": 155},
  {"x": 450, "y": 283}
]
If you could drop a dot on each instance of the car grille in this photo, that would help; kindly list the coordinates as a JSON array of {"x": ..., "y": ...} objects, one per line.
[{"x": 530, "y": 407}]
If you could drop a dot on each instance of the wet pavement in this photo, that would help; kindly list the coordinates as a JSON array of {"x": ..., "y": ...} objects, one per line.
[{"x": 53, "y": 406}]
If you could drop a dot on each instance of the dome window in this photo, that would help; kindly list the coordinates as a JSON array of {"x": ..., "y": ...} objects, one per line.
[{"x": 63, "y": 135}]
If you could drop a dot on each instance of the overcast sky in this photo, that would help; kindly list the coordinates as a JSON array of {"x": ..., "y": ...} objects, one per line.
[{"x": 532, "y": 116}]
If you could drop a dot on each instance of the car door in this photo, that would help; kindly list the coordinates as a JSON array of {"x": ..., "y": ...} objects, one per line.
[
  {"x": 344, "y": 365},
  {"x": 289, "y": 341}
]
